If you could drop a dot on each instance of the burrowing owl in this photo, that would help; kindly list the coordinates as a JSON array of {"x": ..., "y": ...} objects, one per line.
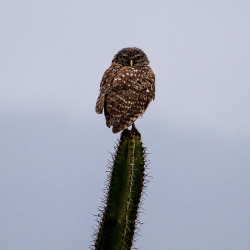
[{"x": 127, "y": 88}]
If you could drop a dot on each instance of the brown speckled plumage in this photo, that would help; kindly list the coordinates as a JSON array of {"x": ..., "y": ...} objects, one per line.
[{"x": 125, "y": 90}]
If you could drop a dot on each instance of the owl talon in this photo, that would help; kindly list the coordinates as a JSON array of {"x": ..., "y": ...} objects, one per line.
[
  {"x": 135, "y": 131},
  {"x": 125, "y": 133},
  {"x": 131, "y": 132}
]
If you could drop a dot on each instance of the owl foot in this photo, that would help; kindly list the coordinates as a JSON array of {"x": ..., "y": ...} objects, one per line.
[
  {"x": 135, "y": 131},
  {"x": 131, "y": 132}
]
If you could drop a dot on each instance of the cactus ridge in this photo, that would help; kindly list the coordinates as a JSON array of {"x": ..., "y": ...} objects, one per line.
[{"x": 118, "y": 218}]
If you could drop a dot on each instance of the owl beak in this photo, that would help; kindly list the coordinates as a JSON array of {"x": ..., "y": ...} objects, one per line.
[{"x": 131, "y": 63}]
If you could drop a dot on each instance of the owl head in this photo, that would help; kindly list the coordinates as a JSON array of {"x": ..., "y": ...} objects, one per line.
[{"x": 131, "y": 57}]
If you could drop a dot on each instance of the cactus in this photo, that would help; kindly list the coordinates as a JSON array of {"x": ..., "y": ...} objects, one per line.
[{"x": 119, "y": 216}]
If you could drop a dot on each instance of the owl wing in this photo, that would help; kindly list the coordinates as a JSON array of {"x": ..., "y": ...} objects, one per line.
[
  {"x": 146, "y": 88},
  {"x": 149, "y": 83},
  {"x": 105, "y": 87},
  {"x": 146, "y": 95}
]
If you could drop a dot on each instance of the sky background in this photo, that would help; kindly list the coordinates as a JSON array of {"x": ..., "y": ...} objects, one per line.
[{"x": 55, "y": 148}]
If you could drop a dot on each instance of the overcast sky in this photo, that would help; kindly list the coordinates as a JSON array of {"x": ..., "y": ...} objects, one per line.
[{"x": 55, "y": 148}]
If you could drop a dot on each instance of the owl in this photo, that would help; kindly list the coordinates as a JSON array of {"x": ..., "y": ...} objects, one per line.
[{"x": 126, "y": 89}]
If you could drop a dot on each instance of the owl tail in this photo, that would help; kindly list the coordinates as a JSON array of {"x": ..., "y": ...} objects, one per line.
[
  {"x": 118, "y": 129},
  {"x": 124, "y": 123}
]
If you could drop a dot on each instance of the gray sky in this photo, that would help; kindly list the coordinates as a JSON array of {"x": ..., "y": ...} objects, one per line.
[{"x": 54, "y": 148}]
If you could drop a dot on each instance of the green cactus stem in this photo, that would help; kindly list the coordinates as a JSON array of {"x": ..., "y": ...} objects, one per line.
[{"x": 119, "y": 216}]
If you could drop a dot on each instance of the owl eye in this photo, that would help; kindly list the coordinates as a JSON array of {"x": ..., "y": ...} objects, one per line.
[
  {"x": 139, "y": 57},
  {"x": 124, "y": 58}
]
